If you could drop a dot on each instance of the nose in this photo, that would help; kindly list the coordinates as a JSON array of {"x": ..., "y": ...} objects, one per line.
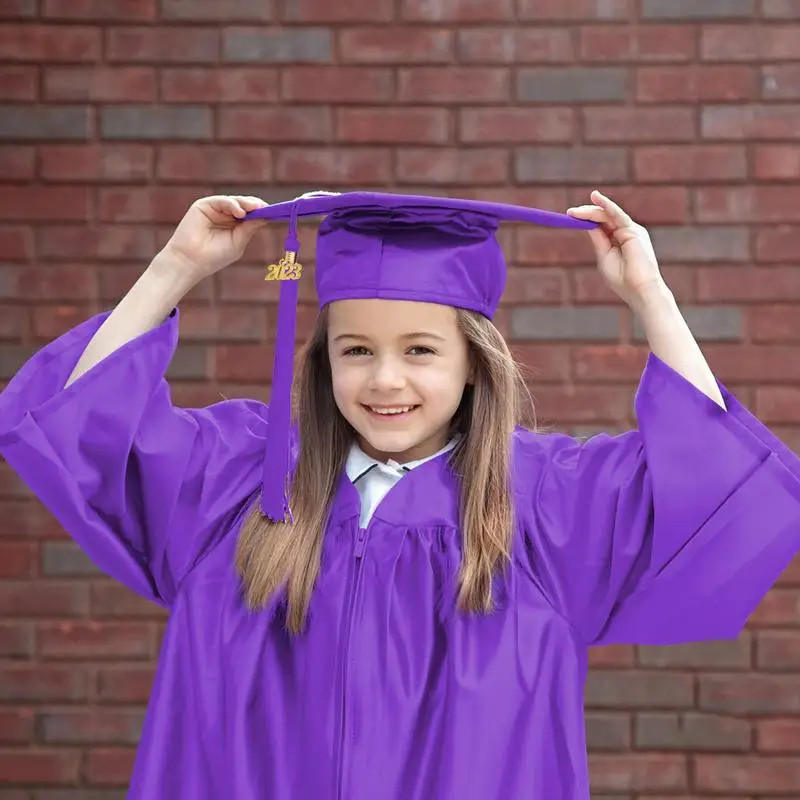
[{"x": 387, "y": 374}]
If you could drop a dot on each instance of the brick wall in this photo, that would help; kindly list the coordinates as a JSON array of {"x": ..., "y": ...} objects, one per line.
[{"x": 116, "y": 114}]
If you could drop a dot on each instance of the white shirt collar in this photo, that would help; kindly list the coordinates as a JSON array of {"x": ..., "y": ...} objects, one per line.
[{"x": 359, "y": 463}]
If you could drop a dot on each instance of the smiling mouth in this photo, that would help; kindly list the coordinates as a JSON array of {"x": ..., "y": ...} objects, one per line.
[{"x": 390, "y": 412}]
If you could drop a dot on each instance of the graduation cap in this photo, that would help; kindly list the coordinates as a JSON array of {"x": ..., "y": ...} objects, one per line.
[{"x": 377, "y": 245}]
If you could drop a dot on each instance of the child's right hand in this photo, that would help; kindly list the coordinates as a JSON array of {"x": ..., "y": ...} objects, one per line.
[{"x": 210, "y": 237}]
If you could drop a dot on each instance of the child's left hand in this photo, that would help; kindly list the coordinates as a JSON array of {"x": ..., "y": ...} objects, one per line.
[{"x": 625, "y": 255}]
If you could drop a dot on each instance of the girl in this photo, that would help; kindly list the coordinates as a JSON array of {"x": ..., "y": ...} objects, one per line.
[{"x": 392, "y": 595}]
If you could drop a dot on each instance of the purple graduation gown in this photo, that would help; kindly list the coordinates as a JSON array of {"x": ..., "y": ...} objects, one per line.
[{"x": 672, "y": 533}]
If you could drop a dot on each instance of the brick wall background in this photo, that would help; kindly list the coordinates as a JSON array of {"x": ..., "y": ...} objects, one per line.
[{"x": 116, "y": 114}]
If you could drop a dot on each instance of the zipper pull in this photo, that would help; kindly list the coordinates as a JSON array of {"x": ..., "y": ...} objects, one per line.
[{"x": 361, "y": 542}]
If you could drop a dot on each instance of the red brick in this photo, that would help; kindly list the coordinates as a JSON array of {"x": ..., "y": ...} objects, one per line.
[
  {"x": 34, "y": 683},
  {"x": 593, "y": 404},
  {"x": 100, "y": 9},
  {"x": 689, "y": 163},
  {"x": 113, "y": 600},
  {"x": 778, "y": 735},
  {"x": 67, "y": 282},
  {"x": 643, "y": 772},
  {"x": 451, "y": 165},
  {"x": 395, "y": 44},
  {"x": 777, "y": 244},
  {"x": 16, "y": 242},
  {"x": 766, "y": 204},
  {"x": 90, "y": 242},
  {"x": 244, "y": 363},
  {"x": 778, "y": 651},
  {"x": 225, "y": 11},
  {"x": 107, "y": 767},
  {"x": 590, "y": 287},
  {"x": 747, "y": 774},
  {"x": 736, "y": 362},
  {"x": 452, "y": 84},
  {"x": 28, "y": 203},
  {"x": 392, "y": 125},
  {"x": 748, "y": 694},
  {"x": 515, "y": 45},
  {"x": 213, "y": 163},
  {"x": 90, "y": 726},
  {"x": 742, "y": 284},
  {"x": 49, "y": 322},
  {"x": 781, "y": 9},
  {"x": 18, "y": 9},
  {"x": 117, "y": 684},
  {"x": 322, "y": 11},
  {"x": 329, "y": 166},
  {"x": 779, "y": 404},
  {"x": 96, "y": 639},
  {"x": 16, "y": 726},
  {"x": 640, "y": 43},
  {"x": 50, "y": 43},
  {"x": 749, "y": 42},
  {"x": 17, "y": 163},
  {"x": 776, "y": 162},
  {"x": 17, "y": 560},
  {"x": 774, "y": 323},
  {"x": 101, "y": 84},
  {"x": 516, "y": 125},
  {"x": 16, "y": 639},
  {"x": 457, "y": 10},
  {"x": 31, "y": 767},
  {"x": 96, "y": 162},
  {"x": 696, "y": 84},
  {"x": 646, "y": 124},
  {"x": 780, "y": 82},
  {"x": 547, "y": 10},
  {"x": 156, "y": 44},
  {"x": 779, "y": 121},
  {"x": 18, "y": 82},
  {"x": 14, "y": 322},
  {"x": 281, "y": 124},
  {"x": 779, "y": 607},
  {"x": 612, "y": 656},
  {"x": 43, "y": 599},
  {"x": 544, "y": 363},
  {"x": 331, "y": 84},
  {"x": 219, "y": 85},
  {"x": 146, "y": 204}
]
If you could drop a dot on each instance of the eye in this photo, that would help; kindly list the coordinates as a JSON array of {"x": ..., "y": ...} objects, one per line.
[
  {"x": 356, "y": 351},
  {"x": 421, "y": 350}
]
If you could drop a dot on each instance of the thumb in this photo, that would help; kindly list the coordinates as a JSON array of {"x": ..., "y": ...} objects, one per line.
[
  {"x": 601, "y": 242},
  {"x": 244, "y": 231}
]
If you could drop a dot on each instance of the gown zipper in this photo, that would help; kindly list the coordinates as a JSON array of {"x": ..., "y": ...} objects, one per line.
[{"x": 360, "y": 546}]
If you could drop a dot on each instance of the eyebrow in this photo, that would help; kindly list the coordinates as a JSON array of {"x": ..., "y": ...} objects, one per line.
[{"x": 414, "y": 335}]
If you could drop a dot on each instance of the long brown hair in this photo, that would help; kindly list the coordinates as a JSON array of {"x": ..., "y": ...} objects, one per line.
[{"x": 275, "y": 556}]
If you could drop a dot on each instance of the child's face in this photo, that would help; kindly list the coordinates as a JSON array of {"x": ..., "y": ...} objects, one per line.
[{"x": 389, "y": 355}]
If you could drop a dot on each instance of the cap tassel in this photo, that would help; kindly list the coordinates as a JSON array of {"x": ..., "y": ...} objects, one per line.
[{"x": 275, "y": 487}]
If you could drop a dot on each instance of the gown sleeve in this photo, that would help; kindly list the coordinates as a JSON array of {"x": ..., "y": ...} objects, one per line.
[
  {"x": 143, "y": 487},
  {"x": 668, "y": 534}
]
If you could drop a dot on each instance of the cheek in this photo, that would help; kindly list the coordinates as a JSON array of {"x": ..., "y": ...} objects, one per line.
[{"x": 344, "y": 381}]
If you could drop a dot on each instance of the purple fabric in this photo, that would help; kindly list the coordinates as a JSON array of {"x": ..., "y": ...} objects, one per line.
[
  {"x": 671, "y": 533},
  {"x": 397, "y": 247}
]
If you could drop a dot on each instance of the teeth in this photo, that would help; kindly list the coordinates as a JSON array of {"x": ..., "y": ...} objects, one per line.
[{"x": 397, "y": 410}]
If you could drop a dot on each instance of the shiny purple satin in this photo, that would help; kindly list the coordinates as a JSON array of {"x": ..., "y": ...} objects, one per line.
[{"x": 669, "y": 534}]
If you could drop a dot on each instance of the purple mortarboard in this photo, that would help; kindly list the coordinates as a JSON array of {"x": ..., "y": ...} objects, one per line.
[{"x": 376, "y": 245}]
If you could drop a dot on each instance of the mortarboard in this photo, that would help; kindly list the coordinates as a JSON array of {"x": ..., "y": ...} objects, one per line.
[{"x": 377, "y": 245}]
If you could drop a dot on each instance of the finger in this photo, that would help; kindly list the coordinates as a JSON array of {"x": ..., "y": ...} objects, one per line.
[
  {"x": 225, "y": 204},
  {"x": 248, "y": 202},
  {"x": 614, "y": 211},
  {"x": 601, "y": 242},
  {"x": 591, "y": 213}
]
